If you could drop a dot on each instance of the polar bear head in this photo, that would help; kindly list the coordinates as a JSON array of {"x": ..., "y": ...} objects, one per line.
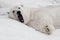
[{"x": 19, "y": 13}]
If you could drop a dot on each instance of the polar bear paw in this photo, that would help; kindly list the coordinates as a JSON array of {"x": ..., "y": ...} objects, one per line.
[{"x": 48, "y": 29}]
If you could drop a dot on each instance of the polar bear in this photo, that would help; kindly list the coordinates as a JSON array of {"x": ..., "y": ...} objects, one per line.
[{"x": 41, "y": 19}]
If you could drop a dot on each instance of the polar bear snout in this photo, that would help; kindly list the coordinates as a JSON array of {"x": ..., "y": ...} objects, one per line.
[{"x": 20, "y": 17}]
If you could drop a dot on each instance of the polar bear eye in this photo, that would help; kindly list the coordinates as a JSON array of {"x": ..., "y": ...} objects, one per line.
[
  {"x": 8, "y": 12},
  {"x": 46, "y": 25},
  {"x": 18, "y": 7},
  {"x": 13, "y": 11}
]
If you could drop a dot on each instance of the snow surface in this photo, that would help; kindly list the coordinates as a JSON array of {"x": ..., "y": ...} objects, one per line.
[
  {"x": 33, "y": 3},
  {"x": 14, "y": 30}
]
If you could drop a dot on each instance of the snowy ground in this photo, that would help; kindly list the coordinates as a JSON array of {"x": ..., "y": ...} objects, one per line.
[{"x": 14, "y": 30}]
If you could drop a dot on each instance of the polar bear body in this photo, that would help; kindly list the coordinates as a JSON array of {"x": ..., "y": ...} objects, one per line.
[{"x": 41, "y": 19}]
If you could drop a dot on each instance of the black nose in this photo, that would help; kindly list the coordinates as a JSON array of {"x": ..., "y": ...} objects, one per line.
[
  {"x": 20, "y": 17},
  {"x": 18, "y": 13}
]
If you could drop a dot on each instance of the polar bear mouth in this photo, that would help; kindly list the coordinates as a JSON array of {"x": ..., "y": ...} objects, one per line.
[{"x": 20, "y": 17}]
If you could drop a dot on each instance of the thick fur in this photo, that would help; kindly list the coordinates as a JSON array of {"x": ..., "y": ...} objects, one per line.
[{"x": 41, "y": 19}]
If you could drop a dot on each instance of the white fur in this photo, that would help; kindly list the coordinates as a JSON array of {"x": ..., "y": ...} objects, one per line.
[{"x": 41, "y": 19}]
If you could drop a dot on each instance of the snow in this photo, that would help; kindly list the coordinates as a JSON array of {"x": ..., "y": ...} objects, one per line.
[
  {"x": 33, "y": 3},
  {"x": 14, "y": 30}
]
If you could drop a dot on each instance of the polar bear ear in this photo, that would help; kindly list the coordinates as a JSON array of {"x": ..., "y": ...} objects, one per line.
[{"x": 22, "y": 6}]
